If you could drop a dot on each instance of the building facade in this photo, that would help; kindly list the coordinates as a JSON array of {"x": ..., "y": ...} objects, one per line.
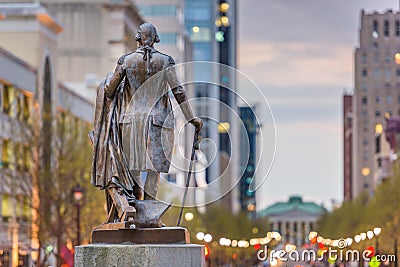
[
  {"x": 96, "y": 33},
  {"x": 199, "y": 23},
  {"x": 28, "y": 89},
  {"x": 347, "y": 146},
  {"x": 376, "y": 92},
  {"x": 293, "y": 219},
  {"x": 248, "y": 162},
  {"x": 17, "y": 87}
]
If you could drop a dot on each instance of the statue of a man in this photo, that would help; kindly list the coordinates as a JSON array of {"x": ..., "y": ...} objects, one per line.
[{"x": 134, "y": 124}]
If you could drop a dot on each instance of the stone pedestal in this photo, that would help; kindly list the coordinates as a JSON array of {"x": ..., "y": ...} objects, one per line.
[
  {"x": 118, "y": 233},
  {"x": 149, "y": 255}
]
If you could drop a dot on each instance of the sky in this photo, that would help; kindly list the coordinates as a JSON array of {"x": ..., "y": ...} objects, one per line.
[{"x": 300, "y": 53}]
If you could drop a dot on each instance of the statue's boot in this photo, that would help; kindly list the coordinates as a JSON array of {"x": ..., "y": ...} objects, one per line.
[{"x": 124, "y": 210}]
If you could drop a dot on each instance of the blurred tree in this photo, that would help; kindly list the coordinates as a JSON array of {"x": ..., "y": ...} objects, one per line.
[
  {"x": 53, "y": 210},
  {"x": 367, "y": 212}
]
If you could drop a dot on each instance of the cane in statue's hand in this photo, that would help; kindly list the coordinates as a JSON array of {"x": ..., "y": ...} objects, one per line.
[{"x": 198, "y": 124}]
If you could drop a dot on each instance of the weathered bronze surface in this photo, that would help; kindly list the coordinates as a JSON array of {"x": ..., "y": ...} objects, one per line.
[{"x": 134, "y": 132}]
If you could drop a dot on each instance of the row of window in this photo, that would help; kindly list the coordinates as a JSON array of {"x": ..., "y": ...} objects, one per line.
[
  {"x": 377, "y": 73},
  {"x": 378, "y": 99},
  {"x": 378, "y": 113},
  {"x": 15, "y": 103},
  {"x": 386, "y": 28},
  {"x": 158, "y": 10},
  {"x": 15, "y": 155},
  {"x": 377, "y": 58},
  {"x": 168, "y": 37},
  {"x": 388, "y": 86},
  {"x": 18, "y": 206}
]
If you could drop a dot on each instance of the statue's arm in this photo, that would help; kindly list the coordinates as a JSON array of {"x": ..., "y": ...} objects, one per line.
[
  {"x": 119, "y": 73},
  {"x": 178, "y": 91}
]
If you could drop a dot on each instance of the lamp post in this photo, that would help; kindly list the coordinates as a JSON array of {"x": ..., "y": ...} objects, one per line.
[
  {"x": 377, "y": 231},
  {"x": 77, "y": 194}
]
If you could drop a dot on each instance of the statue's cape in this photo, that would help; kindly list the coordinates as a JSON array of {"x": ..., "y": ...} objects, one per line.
[{"x": 109, "y": 167}]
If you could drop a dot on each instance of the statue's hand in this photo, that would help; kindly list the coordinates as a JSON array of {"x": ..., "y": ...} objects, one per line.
[{"x": 197, "y": 123}]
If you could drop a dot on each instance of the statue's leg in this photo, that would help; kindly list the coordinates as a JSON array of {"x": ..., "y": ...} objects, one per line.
[
  {"x": 151, "y": 185},
  {"x": 125, "y": 212},
  {"x": 137, "y": 190}
]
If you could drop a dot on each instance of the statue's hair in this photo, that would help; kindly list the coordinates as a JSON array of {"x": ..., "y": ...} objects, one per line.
[{"x": 150, "y": 27}]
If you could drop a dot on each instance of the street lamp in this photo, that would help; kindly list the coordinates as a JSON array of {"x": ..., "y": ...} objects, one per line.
[{"x": 77, "y": 194}]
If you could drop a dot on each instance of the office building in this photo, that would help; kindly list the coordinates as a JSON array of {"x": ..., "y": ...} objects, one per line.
[
  {"x": 212, "y": 29},
  {"x": 376, "y": 92},
  {"x": 28, "y": 88},
  {"x": 248, "y": 161},
  {"x": 95, "y": 35},
  {"x": 347, "y": 146}
]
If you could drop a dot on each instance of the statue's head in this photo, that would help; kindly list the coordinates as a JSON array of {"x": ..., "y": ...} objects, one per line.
[{"x": 147, "y": 34}]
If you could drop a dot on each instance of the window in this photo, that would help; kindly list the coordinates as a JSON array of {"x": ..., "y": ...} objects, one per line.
[
  {"x": 377, "y": 113},
  {"x": 18, "y": 150},
  {"x": 168, "y": 37},
  {"x": 364, "y": 88},
  {"x": 198, "y": 10},
  {"x": 19, "y": 103},
  {"x": 398, "y": 72},
  {"x": 375, "y": 26},
  {"x": 158, "y": 10},
  {"x": 8, "y": 98},
  {"x": 397, "y": 28},
  {"x": 377, "y": 99},
  {"x": 386, "y": 28},
  {"x": 364, "y": 100},
  {"x": 364, "y": 73},
  {"x": 387, "y": 58},
  {"x": 203, "y": 34},
  {"x": 364, "y": 113},
  {"x": 27, "y": 107},
  {"x": 376, "y": 57},
  {"x": 364, "y": 58},
  {"x": 388, "y": 74},
  {"x": 202, "y": 51},
  {"x": 378, "y": 144},
  {"x": 22, "y": 210},
  {"x": 377, "y": 73},
  {"x": 6, "y": 154},
  {"x": 365, "y": 142},
  {"x": 6, "y": 207},
  {"x": 387, "y": 86},
  {"x": 389, "y": 99},
  {"x": 26, "y": 157},
  {"x": 365, "y": 127}
]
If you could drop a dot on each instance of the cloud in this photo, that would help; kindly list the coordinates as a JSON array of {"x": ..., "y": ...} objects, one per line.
[{"x": 297, "y": 64}]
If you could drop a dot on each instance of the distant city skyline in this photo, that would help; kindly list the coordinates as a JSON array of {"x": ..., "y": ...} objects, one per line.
[{"x": 301, "y": 55}]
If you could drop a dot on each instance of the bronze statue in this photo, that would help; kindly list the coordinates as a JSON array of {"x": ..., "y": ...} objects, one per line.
[{"x": 134, "y": 126}]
